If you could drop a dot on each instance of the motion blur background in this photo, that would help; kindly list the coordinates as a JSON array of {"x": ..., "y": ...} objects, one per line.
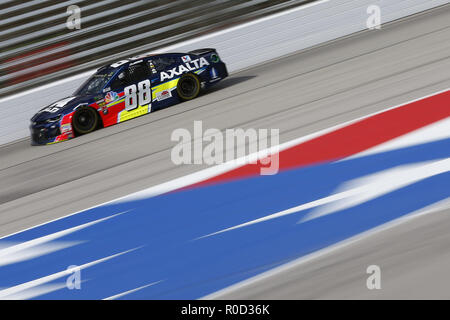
[
  {"x": 309, "y": 67},
  {"x": 37, "y": 47}
]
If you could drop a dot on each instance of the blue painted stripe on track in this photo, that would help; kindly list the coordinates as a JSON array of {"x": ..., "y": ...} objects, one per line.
[{"x": 166, "y": 226}]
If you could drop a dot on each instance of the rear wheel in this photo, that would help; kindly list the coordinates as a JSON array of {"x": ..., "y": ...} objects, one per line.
[
  {"x": 85, "y": 120},
  {"x": 188, "y": 86}
]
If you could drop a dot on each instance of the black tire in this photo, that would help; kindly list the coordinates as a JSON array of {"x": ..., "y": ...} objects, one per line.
[
  {"x": 85, "y": 120},
  {"x": 188, "y": 87}
]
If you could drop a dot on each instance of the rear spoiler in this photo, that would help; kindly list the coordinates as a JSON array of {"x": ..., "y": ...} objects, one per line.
[{"x": 200, "y": 52}]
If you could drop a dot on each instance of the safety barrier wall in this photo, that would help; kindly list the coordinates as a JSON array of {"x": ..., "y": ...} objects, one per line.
[
  {"x": 240, "y": 47},
  {"x": 44, "y": 41}
]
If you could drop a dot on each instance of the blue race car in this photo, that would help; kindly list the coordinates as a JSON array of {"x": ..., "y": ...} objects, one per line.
[{"x": 127, "y": 89}]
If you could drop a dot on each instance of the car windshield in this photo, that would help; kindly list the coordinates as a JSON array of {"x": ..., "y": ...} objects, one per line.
[{"x": 95, "y": 83}]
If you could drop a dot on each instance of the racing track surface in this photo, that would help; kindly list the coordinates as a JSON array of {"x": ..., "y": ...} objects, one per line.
[
  {"x": 299, "y": 94},
  {"x": 414, "y": 259}
]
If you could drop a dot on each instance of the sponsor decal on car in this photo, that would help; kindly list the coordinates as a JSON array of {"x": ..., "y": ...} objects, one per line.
[
  {"x": 162, "y": 95},
  {"x": 111, "y": 96},
  {"x": 214, "y": 58},
  {"x": 55, "y": 107},
  {"x": 186, "y": 59},
  {"x": 152, "y": 67},
  {"x": 214, "y": 75},
  {"x": 66, "y": 128},
  {"x": 189, "y": 66},
  {"x": 101, "y": 103}
]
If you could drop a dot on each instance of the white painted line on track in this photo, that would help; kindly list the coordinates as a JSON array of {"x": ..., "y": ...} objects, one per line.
[
  {"x": 438, "y": 206},
  {"x": 355, "y": 192},
  {"x": 114, "y": 297},
  {"x": 38, "y": 246},
  {"x": 17, "y": 291}
]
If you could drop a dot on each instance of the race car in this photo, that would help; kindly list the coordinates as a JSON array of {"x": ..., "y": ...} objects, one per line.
[{"x": 128, "y": 89}]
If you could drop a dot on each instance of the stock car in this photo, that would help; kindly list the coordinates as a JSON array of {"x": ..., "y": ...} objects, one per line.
[{"x": 127, "y": 89}]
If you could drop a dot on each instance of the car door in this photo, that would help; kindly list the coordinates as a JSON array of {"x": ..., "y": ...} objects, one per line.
[
  {"x": 163, "y": 86},
  {"x": 135, "y": 82}
]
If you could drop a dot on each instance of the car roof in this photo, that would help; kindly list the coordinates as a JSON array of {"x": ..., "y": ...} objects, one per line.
[{"x": 134, "y": 59}]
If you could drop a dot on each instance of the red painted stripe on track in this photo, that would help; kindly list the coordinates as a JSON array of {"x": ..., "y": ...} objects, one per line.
[{"x": 354, "y": 138}]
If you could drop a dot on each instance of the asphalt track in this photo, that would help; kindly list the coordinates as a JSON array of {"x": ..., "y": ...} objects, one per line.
[
  {"x": 414, "y": 259},
  {"x": 299, "y": 94}
]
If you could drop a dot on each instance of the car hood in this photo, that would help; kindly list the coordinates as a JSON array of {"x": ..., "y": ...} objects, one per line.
[{"x": 60, "y": 107}]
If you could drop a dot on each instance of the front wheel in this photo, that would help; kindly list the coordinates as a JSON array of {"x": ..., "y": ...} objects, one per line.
[
  {"x": 85, "y": 120},
  {"x": 188, "y": 87}
]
